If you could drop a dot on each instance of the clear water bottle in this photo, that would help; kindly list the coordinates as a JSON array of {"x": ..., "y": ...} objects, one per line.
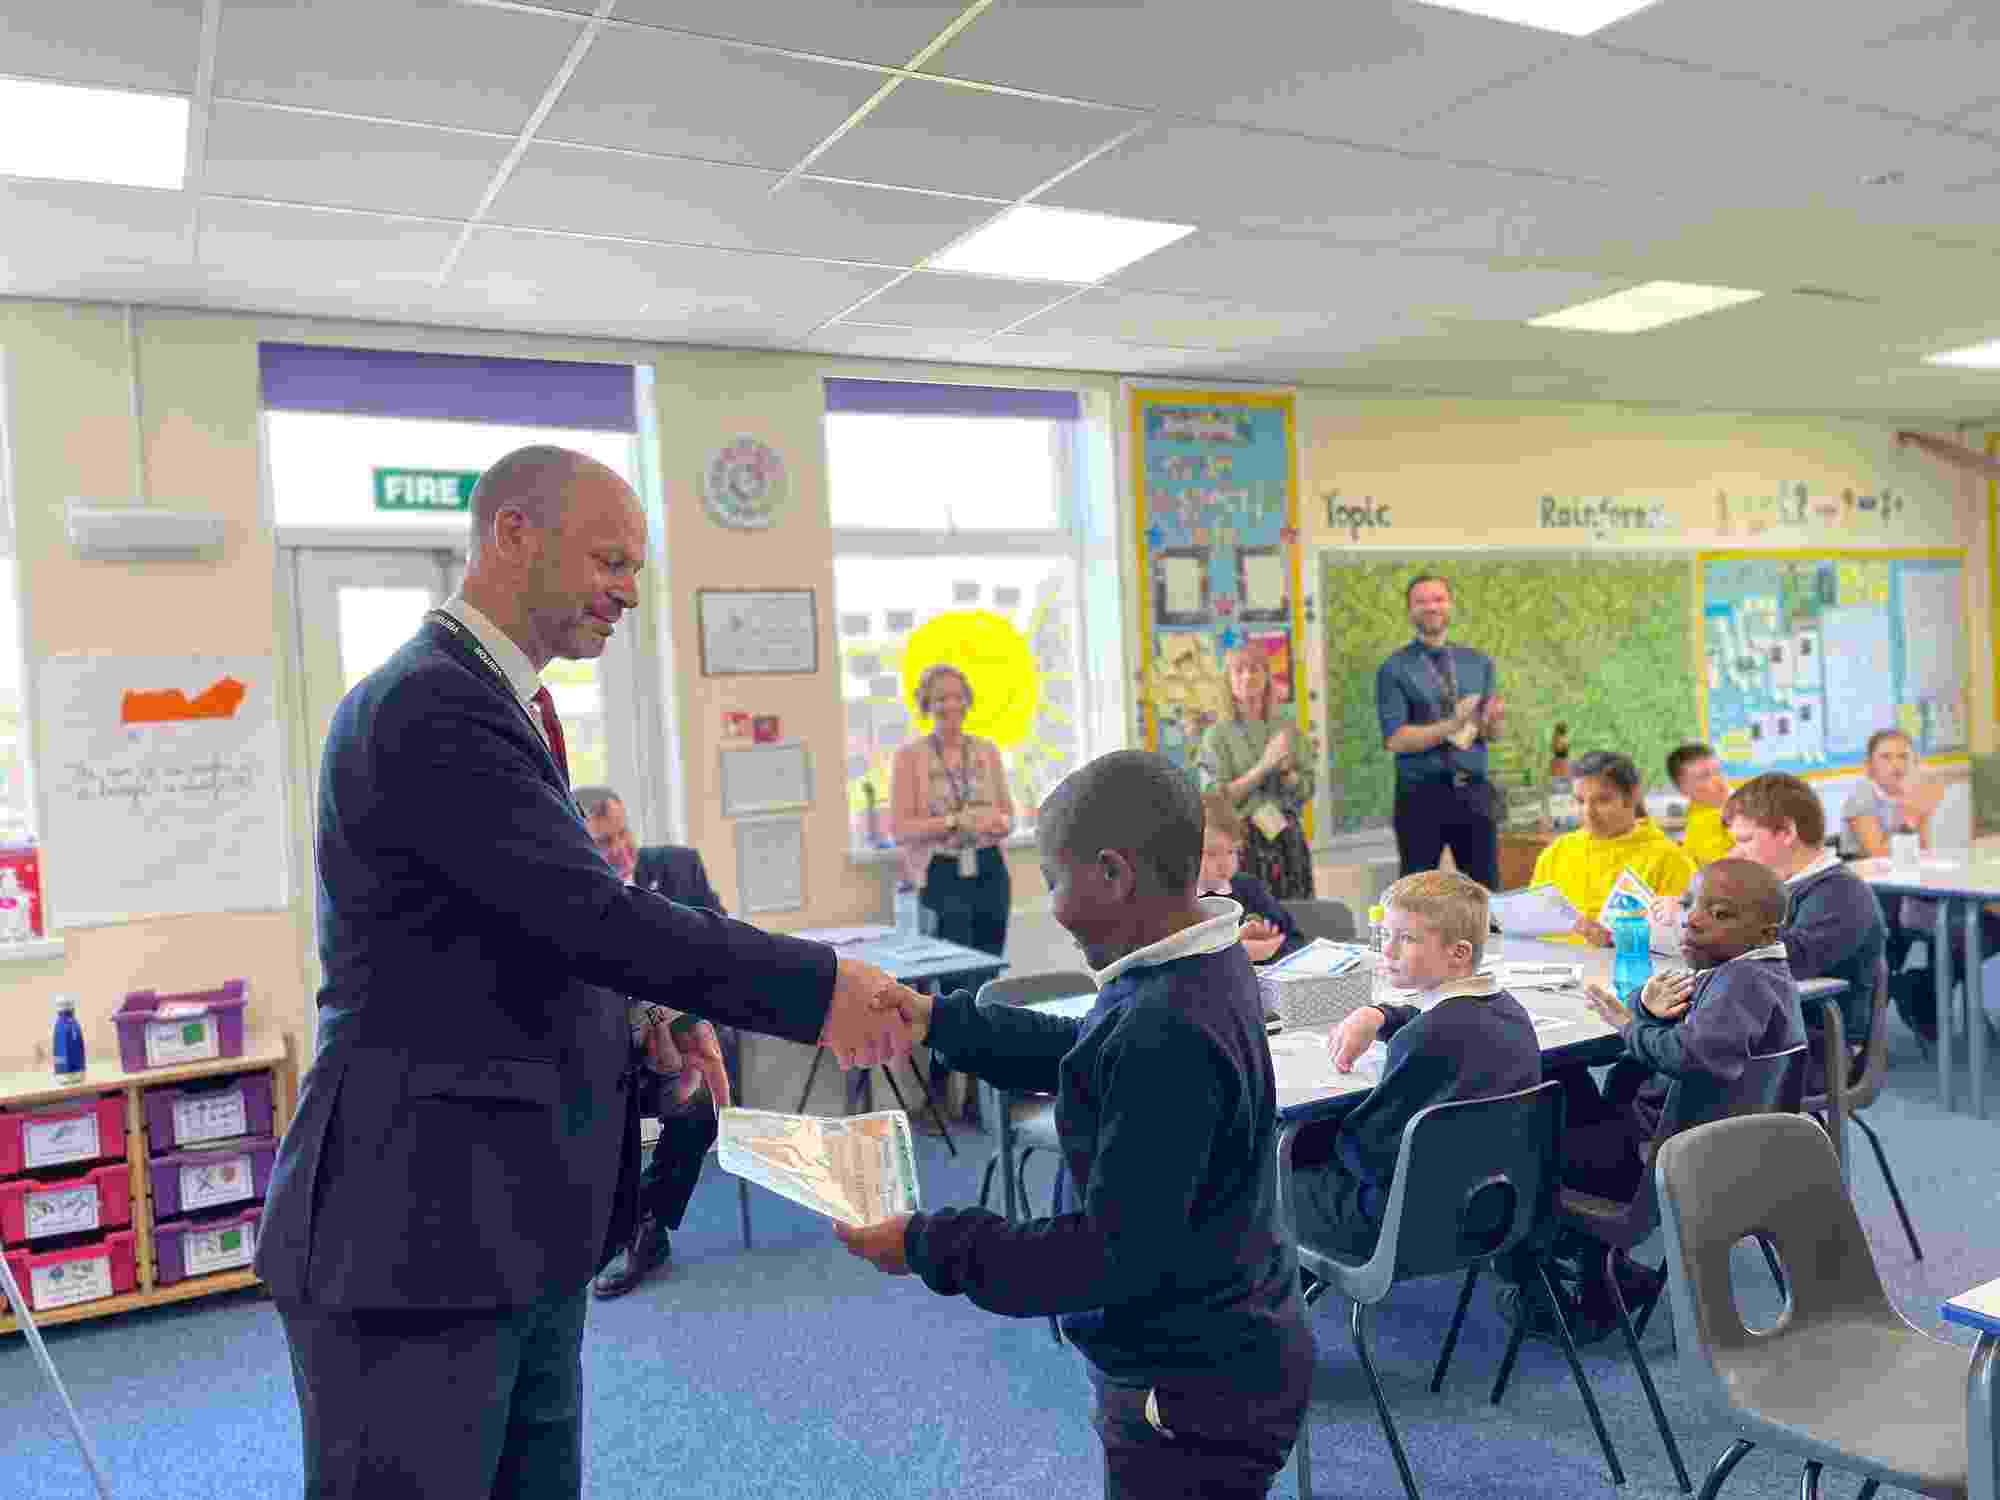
[
  {"x": 66, "y": 1046},
  {"x": 1379, "y": 985},
  {"x": 909, "y": 923},
  {"x": 1632, "y": 961}
]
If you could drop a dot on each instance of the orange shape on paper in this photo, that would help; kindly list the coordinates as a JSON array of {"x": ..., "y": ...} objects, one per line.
[{"x": 220, "y": 700}]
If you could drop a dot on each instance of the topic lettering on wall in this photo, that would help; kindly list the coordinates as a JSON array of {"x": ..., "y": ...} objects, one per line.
[
  {"x": 1603, "y": 516},
  {"x": 1355, "y": 516}
]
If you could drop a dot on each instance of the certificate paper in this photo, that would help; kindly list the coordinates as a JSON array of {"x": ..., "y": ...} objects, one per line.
[{"x": 1536, "y": 911}]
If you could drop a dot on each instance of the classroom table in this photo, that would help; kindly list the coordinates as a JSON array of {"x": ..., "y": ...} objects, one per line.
[
  {"x": 1948, "y": 880},
  {"x": 1980, "y": 1309},
  {"x": 915, "y": 961}
]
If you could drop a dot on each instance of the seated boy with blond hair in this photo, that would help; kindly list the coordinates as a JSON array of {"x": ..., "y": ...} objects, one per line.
[
  {"x": 1269, "y": 931},
  {"x": 1696, "y": 772},
  {"x": 1463, "y": 1038}
]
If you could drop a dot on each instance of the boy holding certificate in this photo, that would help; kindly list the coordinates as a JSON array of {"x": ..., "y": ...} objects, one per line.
[{"x": 1168, "y": 1274}]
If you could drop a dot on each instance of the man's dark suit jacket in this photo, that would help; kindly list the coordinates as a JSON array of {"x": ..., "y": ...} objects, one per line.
[
  {"x": 676, "y": 872},
  {"x": 467, "y": 1136}
]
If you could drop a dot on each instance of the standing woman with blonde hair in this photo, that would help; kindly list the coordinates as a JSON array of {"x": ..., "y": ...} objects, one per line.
[
  {"x": 1253, "y": 759},
  {"x": 949, "y": 810}
]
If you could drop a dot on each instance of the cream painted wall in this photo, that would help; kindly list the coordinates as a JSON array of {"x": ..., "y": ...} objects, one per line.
[
  {"x": 1435, "y": 463},
  {"x": 1402, "y": 475}
]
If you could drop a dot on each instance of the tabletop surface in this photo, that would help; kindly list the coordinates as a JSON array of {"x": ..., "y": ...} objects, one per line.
[
  {"x": 907, "y": 958},
  {"x": 1307, "y": 1082},
  {"x": 1936, "y": 875},
  {"x": 1978, "y": 1308}
]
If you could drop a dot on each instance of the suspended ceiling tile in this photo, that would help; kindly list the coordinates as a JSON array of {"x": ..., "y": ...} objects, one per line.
[
  {"x": 710, "y": 203},
  {"x": 1656, "y": 127},
  {"x": 76, "y": 227},
  {"x": 427, "y": 61},
  {"x": 140, "y": 44},
  {"x": 968, "y": 141},
  {"x": 263, "y": 153},
  {"x": 310, "y": 250},
  {"x": 933, "y": 300},
  {"x": 685, "y": 96},
  {"x": 879, "y": 31},
  {"x": 1163, "y": 318}
]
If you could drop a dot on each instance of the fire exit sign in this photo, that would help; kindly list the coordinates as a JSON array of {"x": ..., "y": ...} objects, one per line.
[{"x": 443, "y": 490}]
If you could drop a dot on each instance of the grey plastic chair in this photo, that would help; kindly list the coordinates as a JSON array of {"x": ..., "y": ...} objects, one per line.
[
  {"x": 1474, "y": 1180},
  {"x": 1025, "y": 1123},
  {"x": 1841, "y": 1378},
  {"x": 1322, "y": 919},
  {"x": 1769, "y": 1081},
  {"x": 1848, "y": 1093}
]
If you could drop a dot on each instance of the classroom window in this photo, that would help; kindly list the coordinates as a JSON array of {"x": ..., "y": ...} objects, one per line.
[
  {"x": 17, "y": 821},
  {"x": 957, "y": 515}
]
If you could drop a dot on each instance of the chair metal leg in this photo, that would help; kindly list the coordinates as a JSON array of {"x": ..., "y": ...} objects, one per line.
[
  {"x": 743, "y": 1207},
  {"x": 1302, "y": 1456},
  {"x": 1771, "y": 1260},
  {"x": 1895, "y": 1194},
  {"x": 1724, "y": 1467},
  {"x": 1360, "y": 1337},
  {"x": 986, "y": 1179},
  {"x": 1809, "y": 1480},
  {"x": 930, "y": 1104},
  {"x": 1582, "y": 1380},
  {"x": 1645, "y": 1374},
  {"x": 1513, "y": 1353},
  {"x": 1868, "y": 1490},
  {"x": 819, "y": 1055},
  {"x": 1457, "y": 1322},
  {"x": 1646, "y": 1312}
]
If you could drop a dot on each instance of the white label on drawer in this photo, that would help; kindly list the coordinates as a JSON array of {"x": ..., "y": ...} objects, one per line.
[
  {"x": 62, "y": 1211},
  {"x": 49, "y": 1143},
  {"x": 226, "y": 1179},
  {"x": 210, "y": 1117},
  {"x": 219, "y": 1249},
  {"x": 169, "y": 1042},
  {"x": 70, "y": 1281}
]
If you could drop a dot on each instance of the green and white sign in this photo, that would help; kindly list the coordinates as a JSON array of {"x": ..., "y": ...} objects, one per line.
[{"x": 442, "y": 490}]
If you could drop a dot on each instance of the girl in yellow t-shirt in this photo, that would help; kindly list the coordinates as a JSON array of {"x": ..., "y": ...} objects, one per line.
[{"x": 1616, "y": 835}]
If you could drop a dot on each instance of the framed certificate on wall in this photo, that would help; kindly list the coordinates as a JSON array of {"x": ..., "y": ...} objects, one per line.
[
  {"x": 757, "y": 630},
  {"x": 770, "y": 865},
  {"x": 766, "y": 778}
]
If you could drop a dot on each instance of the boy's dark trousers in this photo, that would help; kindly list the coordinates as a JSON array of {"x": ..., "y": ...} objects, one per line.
[
  {"x": 1601, "y": 1143},
  {"x": 1220, "y": 1442}
]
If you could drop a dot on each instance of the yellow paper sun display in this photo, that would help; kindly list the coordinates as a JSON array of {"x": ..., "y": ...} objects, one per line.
[{"x": 996, "y": 660}]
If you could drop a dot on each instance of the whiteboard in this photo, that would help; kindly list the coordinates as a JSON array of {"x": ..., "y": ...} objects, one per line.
[{"x": 162, "y": 787}]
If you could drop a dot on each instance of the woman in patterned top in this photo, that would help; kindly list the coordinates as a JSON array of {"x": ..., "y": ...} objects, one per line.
[
  {"x": 949, "y": 810},
  {"x": 1253, "y": 759}
]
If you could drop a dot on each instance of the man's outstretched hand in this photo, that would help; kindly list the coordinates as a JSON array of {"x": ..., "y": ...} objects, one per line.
[{"x": 872, "y": 1019}]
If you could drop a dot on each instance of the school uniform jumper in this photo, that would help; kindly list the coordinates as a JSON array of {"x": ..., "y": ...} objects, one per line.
[{"x": 1170, "y": 1275}]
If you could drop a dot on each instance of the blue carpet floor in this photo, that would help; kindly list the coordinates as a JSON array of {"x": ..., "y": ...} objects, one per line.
[{"x": 794, "y": 1370}]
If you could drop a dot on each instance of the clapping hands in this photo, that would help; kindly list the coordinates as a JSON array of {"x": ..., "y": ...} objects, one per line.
[{"x": 1260, "y": 939}]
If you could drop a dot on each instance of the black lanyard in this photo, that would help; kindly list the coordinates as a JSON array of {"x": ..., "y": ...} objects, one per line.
[
  {"x": 462, "y": 636},
  {"x": 959, "y": 789},
  {"x": 1446, "y": 675}
]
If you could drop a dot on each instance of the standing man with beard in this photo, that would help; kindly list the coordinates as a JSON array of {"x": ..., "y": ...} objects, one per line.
[{"x": 1439, "y": 705}]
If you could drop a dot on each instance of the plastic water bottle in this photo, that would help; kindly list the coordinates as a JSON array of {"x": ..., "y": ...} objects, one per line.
[
  {"x": 1632, "y": 963},
  {"x": 908, "y": 923},
  {"x": 66, "y": 1046},
  {"x": 1378, "y": 948}
]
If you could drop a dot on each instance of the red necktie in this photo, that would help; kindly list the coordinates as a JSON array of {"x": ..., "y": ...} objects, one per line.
[{"x": 552, "y": 726}]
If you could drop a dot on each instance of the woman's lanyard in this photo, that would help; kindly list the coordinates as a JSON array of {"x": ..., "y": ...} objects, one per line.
[{"x": 961, "y": 779}]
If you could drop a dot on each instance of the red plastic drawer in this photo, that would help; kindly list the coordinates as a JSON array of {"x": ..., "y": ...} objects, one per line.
[
  {"x": 82, "y": 1273},
  {"x": 34, "y": 1208},
  {"x": 56, "y": 1135}
]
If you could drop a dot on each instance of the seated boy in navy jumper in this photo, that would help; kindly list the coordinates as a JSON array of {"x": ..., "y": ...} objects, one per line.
[
  {"x": 1739, "y": 1000},
  {"x": 1169, "y": 1275},
  {"x": 1463, "y": 1038},
  {"x": 1268, "y": 930}
]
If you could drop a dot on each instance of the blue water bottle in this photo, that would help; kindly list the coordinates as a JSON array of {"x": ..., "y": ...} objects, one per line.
[
  {"x": 1632, "y": 964},
  {"x": 67, "y": 1043}
]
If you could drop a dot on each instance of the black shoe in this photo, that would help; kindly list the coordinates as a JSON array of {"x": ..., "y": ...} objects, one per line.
[
  {"x": 1638, "y": 1283},
  {"x": 650, "y": 1249}
]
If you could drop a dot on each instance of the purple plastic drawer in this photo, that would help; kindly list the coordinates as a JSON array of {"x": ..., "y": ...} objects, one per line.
[
  {"x": 200, "y": 1246},
  {"x": 159, "y": 1031},
  {"x": 195, "y": 1114},
  {"x": 218, "y": 1176}
]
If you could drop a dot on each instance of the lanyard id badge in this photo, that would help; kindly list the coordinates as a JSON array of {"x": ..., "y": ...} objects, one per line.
[
  {"x": 961, "y": 788},
  {"x": 455, "y": 628},
  {"x": 968, "y": 863}
]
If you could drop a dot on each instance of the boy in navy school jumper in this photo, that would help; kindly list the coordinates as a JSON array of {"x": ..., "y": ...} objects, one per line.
[
  {"x": 1463, "y": 1038},
  {"x": 1269, "y": 931},
  {"x": 1170, "y": 1276}
]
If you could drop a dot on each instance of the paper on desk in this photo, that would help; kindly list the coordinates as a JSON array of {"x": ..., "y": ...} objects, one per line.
[
  {"x": 1304, "y": 1067},
  {"x": 1321, "y": 959},
  {"x": 858, "y": 1170},
  {"x": 841, "y": 937},
  {"x": 1534, "y": 911},
  {"x": 1532, "y": 976}
]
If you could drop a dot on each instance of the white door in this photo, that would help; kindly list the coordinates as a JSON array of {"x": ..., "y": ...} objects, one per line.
[{"x": 355, "y": 607}]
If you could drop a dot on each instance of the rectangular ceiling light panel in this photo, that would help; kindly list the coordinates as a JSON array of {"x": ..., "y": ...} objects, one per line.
[
  {"x": 1032, "y": 243},
  {"x": 1569, "y": 17},
  {"x": 1649, "y": 305},
  {"x": 56, "y": 130}
]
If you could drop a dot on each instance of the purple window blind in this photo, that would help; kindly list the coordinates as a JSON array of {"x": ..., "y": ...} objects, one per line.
[
  {"x": 453, "y": 387},
  {"x": 910, "y": 398}
]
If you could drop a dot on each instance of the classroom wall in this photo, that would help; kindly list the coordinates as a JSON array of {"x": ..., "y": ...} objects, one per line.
[{"x": 1400, "y": 475}]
